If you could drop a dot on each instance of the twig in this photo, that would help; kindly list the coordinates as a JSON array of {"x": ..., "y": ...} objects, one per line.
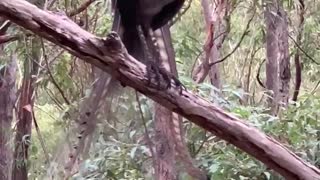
[
  {"x": 146, "y": 130},
  {"x": 4, "y": 27},
  {"x": 9, "y": 38},
  {"x": 315, "y": 88},
  {"x": 45, "y": 151},
  {"x": 202, "y": 51},
  {"x": 51, "y": 76},
  {"x": 258, "y": 74},
  {"x": 81, "y": 8},
  {"x": 238, "y": 45},
  {"x": 202, "y": 144},
  {"x": 303, "y": 51}
]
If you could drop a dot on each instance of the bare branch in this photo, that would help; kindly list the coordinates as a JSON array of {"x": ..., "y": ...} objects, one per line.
[
  {"x": 81, "y": 8},
  {"x": 238, "y": 44},
  {"x": 9, "y": 38},
  {"x": 303, "y": 51},
  {"x": 54, "y": 82},
  {"x": 4, "y": 27}
]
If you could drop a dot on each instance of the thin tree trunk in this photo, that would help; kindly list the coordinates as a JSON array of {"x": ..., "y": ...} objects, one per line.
[
  {"x": 165, "y": 163},
  {"x": 272, "y": 63},
  {"x": 278, "y": 61},
  {"x": 217, "y": 29},
  {"x": 174, "y": 121},
  {"x": 24, "y": 121},
  {"x": 7, "y": 101},
  {"x": 165, "y": 148},
  {"x": 297, "y": 56},
  {"x": 25, "y": 108},
  {"x": 284, "y": 67}
]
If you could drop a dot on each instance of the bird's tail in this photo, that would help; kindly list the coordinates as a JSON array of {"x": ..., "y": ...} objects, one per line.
[
  {"x": 133, "y": 43},
  {"x": 129, "y": 35}
]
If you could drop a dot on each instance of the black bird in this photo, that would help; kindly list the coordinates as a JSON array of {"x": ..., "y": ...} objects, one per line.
[{"x": 149, "y": 15}]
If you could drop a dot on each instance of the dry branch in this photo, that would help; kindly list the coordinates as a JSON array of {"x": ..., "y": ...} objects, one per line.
[
  {"x": 110, "y": 56},
  {"x": 9, "y": 38}
]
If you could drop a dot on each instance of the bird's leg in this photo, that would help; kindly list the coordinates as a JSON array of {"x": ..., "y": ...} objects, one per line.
[
  {"x": 157, "y": 59},
  {"x": 152, "y": 61},
  {"x": 149, "y": 58},
  {"x": 158, "y": 50}
]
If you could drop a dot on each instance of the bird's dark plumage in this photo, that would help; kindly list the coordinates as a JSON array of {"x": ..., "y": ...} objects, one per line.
[{"x": 149, "y": 14}]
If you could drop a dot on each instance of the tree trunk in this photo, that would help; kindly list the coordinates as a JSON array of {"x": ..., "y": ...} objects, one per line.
[
  {"x": 272, "y": 63},
  {"x": 284, "y": 67},
  {"x": 165, "y": 164},
  {"x": 173, "y": 121},
  {"x": 25, "y": 116},
  {"x": 216, "y": 27},
  {"x": 297, "y": 56},
  {"x": 278, "y": 61},
  {"x": 7, "y": 102}
]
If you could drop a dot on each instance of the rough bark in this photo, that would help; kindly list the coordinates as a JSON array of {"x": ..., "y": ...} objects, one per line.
[
  {"x": 272, "y": 63},
  {"x": 110, "y": 56},
  {"x": 216, "y": 28},
  {"x": 169, "y": 124},
  {"x": 165, "y": 162},
  {"x": 284, "y": 65},
  {"x": 165, "y": 152},
  {"x": 278, "y": 61},
  {"x": 7, "y": 101}
]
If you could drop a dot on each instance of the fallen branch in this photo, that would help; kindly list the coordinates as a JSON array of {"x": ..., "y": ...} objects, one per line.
[{"x": 110, "y": 56}]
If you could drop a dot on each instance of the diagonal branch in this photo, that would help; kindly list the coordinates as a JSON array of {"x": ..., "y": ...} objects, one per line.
[
  {"x": 82, "y": 7},
  {"x": 303, "y": 51},
  {"x": 9, "y": 38},
  {"x": 245, "y": 32},
  {"x": 110, "y": 56}
]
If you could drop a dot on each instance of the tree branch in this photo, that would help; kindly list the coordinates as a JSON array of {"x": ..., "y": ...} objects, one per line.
[
  {"x": 109, "y": 55},
  {"x": 303, "y": 51},
  {"x": 9, "y": 38},
  {"x": 245, "y": 32},
  {"x": 82, "y": 7}
]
